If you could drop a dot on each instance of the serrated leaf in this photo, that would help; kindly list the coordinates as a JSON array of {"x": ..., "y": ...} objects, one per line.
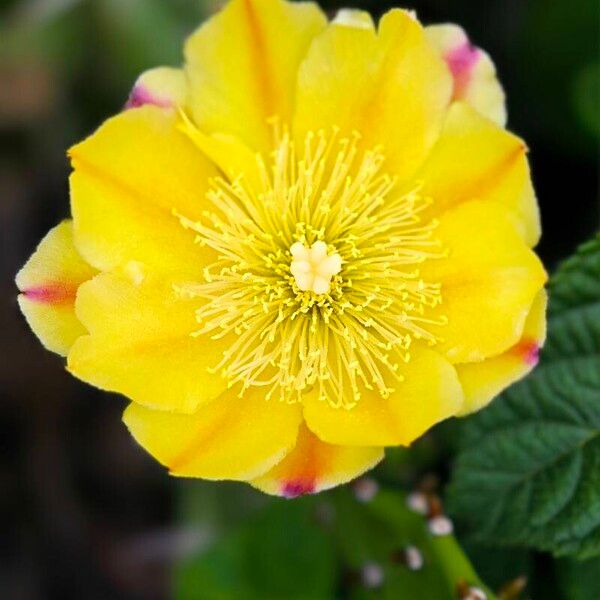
[{"x": 529, "y": 469}]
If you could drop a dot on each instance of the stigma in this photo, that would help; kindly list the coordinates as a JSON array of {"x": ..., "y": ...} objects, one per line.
[{"x": 313, "y": 267}]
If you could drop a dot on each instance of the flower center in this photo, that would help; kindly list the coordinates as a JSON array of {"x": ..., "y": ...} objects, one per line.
[
  {"x": 296, "y": 319},
  {"x": 313, "y": 267}
]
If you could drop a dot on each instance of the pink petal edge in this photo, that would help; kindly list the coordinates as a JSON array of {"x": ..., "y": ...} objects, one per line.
[
  {"x": 461, "y": 62},
  {"x": 293, "y": 489},
  {"x": 54, "y": 293},
  {"x": 140, "y": 96}
]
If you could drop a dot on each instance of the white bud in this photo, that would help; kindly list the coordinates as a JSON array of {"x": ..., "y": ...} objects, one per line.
[
  {"x": 414, "y": 558},
  {"x": 372, "y": 575},
  {"x": 417, "y": 502},
  {"x": 475, "y": 593},
  {"x": 440, "y": 525},
  {"x": 366, "y": 489}
]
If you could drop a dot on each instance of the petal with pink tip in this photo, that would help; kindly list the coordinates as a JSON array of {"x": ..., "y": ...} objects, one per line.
[
  {"x": 313, "y": 466},
  {"x": 163, "y": 86},
  {"x": 473, "y": 71},
  {"x": 48, "y": 283},
  {"x": 483, "y": 381}
]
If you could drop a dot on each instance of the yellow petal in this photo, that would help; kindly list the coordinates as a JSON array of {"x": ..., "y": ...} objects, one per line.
[
  {"x": 48, "y": 283},
  {"x": 140, "y": 343},
  {"x": 129, "y": 178},
  {"x": 483, "y": 381},
  {"x": 227, "y": 152},
  {"x": 390, "y": 86},
  {"x": 476, "y": 160},
  {"x": 489, "y": 280},
  {"x": 163, "y": 86},
  {"x": 242, "y": 66},
  {"x": 313, "y": 466},
  {"x": 229, "y": 438},
  {"x": 430, "y": 393},
  {"x": 473, "y": 71}
]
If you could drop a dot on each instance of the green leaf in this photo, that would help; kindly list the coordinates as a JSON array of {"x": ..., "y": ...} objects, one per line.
[
  {"x": 586, "y": 97},
  {"x": 380, "y": 530},
  {"x": 497, "y": 566},
  {"x": 529, "y": 470},
  {"x": 317, "y": 548},
  {"x": 282, "y": 553},
  {"x": 578, "y": 580}
]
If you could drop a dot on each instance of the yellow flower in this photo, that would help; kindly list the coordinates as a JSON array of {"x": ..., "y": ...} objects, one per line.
[{"x": 310, "y": 243}]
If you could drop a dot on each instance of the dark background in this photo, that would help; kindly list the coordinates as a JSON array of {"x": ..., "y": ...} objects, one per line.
[{"x": 84, "y": 513}]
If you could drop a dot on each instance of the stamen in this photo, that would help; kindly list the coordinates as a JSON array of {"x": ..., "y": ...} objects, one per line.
[{"x": 317, "y": 279}]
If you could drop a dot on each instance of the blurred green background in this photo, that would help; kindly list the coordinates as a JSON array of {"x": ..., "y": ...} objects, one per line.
[{"x": 84, "y": 512}]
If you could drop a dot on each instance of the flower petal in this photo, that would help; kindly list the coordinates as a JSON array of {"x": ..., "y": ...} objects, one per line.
[
  {"x": 313, "y": 466},
  {"x": 227, "y": 152},
  {"x": 354, "y": 18},
  {"x": 430, "y": 393},
  {"x": 129, "y": 178},
  {"x": 390, "y": 86},
  {"x": 242, "y": 66},
  {"x": 48, "y": 283},
  {"x": 483, "y": 381},
  {"x": 474, "y": 74},
  {"x": 140, "y": 343},
  {"x": 476, "y": 160},
  {"x": 489, "y": 280},
  {"x": 229, "y": 438},
  {"x": 163, "y": 86}
]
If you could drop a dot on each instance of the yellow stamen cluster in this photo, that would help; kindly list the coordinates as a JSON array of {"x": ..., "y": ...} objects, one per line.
[{"x": 317, "y": 279}]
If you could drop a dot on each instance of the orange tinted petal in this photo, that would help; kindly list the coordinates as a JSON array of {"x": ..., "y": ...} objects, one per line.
[
  {"x": 313, "y": 466},
  {"x": 474, "y": 159},
  {"x": 430, "y": 393},
  {"x": 242, "y": 64},
  {"x": 140, "y": 343},
  {"x": 229, "y": 438},
  {"x": 390, "y": 86},
  {"x": 130, "y": 176},
  {"x": 483, "y": 381},
  {"x": 488, "y": 281}
]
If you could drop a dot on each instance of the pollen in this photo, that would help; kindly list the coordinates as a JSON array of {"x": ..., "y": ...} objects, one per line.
[
  {"x": 313, "y": 267},
  {"x": 317, "y": 284}
]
